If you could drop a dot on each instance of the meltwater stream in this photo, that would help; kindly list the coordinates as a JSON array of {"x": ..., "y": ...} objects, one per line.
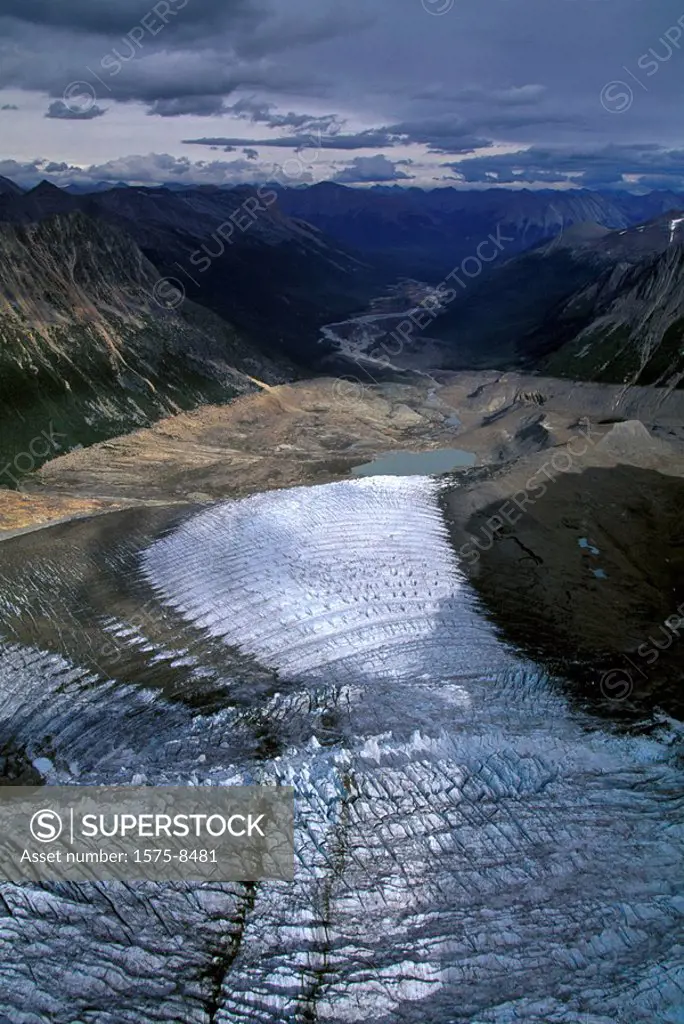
[{"x": 471, "y": 849}]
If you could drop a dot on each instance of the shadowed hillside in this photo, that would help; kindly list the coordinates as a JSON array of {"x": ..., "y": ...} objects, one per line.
[{"x": 91, "y": 344}]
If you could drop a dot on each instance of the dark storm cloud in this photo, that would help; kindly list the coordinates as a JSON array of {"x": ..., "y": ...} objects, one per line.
[
  {"x": 548, "y": 76},
  {"x": 515, "y": 96},
  {"x": 445, "y": 136},
  {"x": 62, "y": 112},
  {"x": 440, "y": 135},
  {"x": 123, "y": 74},
  {"x": 305, "y": 23},
  {"x": 117, "y": 17},
  {"x": 249, "y": 109},
  {"x": 166, "y": 50},
  {"x": 372, "y": 139}
]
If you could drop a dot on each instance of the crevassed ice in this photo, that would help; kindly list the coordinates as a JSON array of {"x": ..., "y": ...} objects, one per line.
[
  {"x": 470, "y": 849},
  {"x": 356, "y": 575}
]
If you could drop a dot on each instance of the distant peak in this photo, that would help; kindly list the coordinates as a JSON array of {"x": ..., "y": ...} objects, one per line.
[{"x": 45, "y": 188}]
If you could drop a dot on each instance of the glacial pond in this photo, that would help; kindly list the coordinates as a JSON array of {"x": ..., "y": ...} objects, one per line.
[{"x": 442, "y": 460}]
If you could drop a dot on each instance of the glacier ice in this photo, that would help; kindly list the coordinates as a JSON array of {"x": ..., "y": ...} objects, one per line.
[
  {"x": 353, "y": 577},
  {"x": 471, "y": 849}
]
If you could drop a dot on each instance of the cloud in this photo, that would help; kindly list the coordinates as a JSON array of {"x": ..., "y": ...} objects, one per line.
[
  {"x": 249, "y": 109},
  {"x": 635, "y": 167},
  {"x": 177, "y": 56},
  {"x": 102, "y": 17},
  {"x": 152, "y": 169},
  {"x": 439, "y": 135},
  {"x": 63, "y": 112},
  {"x": 200, "y": 106},
  {"x": 370, "y": 139},
  {"x": 597, "y": 167},
  {"x": 514, "y": 96},
  {"x": 379, "y": 78},
  {"x": 371, "y": 169}
]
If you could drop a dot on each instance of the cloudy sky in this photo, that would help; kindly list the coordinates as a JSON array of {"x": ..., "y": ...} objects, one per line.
[{"x": 415, "y": 92}]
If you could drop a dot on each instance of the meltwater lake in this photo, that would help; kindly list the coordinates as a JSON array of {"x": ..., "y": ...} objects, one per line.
[{"x": 442, "y": 460}]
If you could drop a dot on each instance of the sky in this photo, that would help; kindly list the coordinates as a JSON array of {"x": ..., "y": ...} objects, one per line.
[{"x": 467, "y": 93}]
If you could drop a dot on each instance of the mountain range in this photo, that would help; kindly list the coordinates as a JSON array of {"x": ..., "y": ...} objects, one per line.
[
  {"x": 233, "y": 251},
  {"x": 428, "y": 233}
]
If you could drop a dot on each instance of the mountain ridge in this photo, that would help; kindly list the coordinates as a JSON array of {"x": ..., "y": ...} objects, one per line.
[
  {"x": 235, "y": 252},
  {"x": 92, "y": 340},
  {"x": 438, "y": 228}
]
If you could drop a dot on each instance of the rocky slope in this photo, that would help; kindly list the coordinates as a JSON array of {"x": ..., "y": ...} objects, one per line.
[
  {"x": 593, "y": 305},
  {"x": 233, "y": 251},
  {"x": 317, "y": 431},
  {"x": 93, "y": 343},
  {"x": 628, "y": 325}
]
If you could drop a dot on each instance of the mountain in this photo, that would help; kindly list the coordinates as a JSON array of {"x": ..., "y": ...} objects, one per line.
[
  {"x": 235, "y": 252},
  {"x": 8, "y": 188},
  {"x": 281, "y": 264},
  {"x": 44, "y": 200},
  {"x": 628, "y": 324},
  {"x": 650, "y": 239},
  {"x": 485, "y": 319},
  {"x": 77, "y": 189},
  {"x": 429, "y": 233},
  {"x": 484, "y": 324},
  {"x": 595, "y": 305},
  {"x": 93, "y": 343}
]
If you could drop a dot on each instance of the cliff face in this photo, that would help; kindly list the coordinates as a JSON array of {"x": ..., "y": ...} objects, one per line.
[
  {"x": 627, "y": 326},
  {"x": 595, "y": 305},
  {"x": 94, "y": 343}
]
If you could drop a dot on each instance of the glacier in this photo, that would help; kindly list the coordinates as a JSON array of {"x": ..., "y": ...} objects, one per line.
[{"x": 472, "y": 847}]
